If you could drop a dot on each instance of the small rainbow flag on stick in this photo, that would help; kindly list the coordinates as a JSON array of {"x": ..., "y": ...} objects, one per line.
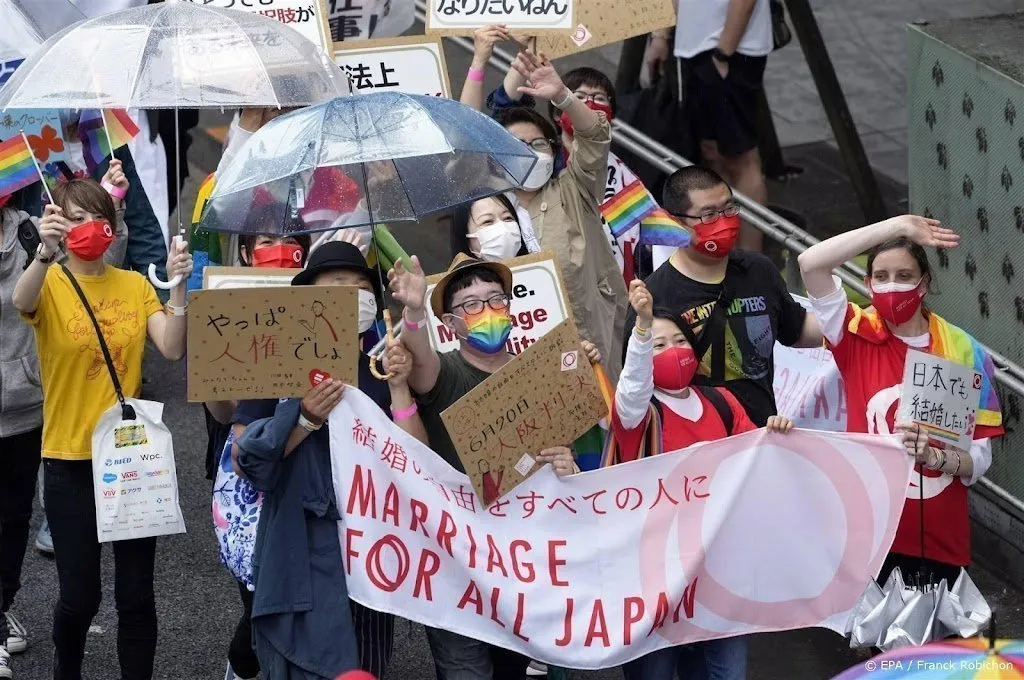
[
  {"x": 103, "y": 131},
  {"x": 17, "y": 169},
  {"x": 661, "y": 229},
  {"x": 623, "y": 210}
]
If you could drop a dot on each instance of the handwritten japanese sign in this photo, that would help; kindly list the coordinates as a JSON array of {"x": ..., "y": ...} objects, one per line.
[
  {"x": 602, "y": 22},
  {"x": 414, "y": 65},
  {"x": 255, "y": 343},
  {"x": 308, "y": 17},
  {"x": 942, "y": 396},
  {"x": 547, "y": 396},
  {"x": 461, "y": 17},
  {"x": 219, "y": 278},
  {"x": 41, "y": 126},
  {"x": 539, "y": 304}
]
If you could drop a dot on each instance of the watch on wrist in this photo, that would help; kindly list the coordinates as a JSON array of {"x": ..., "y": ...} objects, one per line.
[
  {"x": 719, "y": 55},
  {"x": 42, "y": 257}
]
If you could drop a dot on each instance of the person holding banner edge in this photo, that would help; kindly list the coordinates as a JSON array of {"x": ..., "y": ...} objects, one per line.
[
  {"x": 77, "y": 391},
  {"x": 472, "y": 299},
  {"x": 870, "y": 348}
]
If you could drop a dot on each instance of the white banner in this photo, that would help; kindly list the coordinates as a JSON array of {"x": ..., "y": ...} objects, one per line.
[
  {"x": 414, "y": 65},
  {"x": 757, "y": 533},
  {"x": 308, "y": 17},
  {"x": 462, "y": 16}
]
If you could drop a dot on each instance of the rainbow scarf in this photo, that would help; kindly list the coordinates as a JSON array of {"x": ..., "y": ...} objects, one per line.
[
  {"x": 120, "y": 129},
  {"x": 661, "y": 229},
  {"x": 626, "y": 208},
  {"x": 17, "y": 169},
  {"x": 949, "y": 342}
]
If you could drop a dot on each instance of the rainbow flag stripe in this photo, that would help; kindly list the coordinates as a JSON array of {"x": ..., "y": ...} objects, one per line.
[
  {"x": 661, "y": 229},
  {"x": 120, "y": 128},
  {"x": 623, "y": 210},
  {"x": 17, "y": 169}
]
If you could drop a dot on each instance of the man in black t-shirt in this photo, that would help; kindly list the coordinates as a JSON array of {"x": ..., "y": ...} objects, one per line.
[{"x": 754, "y": 307}]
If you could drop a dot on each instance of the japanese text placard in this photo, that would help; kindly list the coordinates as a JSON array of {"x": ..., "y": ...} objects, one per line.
[
  {"x": 538, "y": 304},
  {"x": 414, "y": 65},
  {"x": 42, "y": 128},
  {"x": 942, "y": 396},
  {"x": 547, "y": 396},
  {"x": 308, "y": 17},
  {"x": 602, "y": 22},
  {"x": 219, "y": 278},
  {"x": 256, "y": 343},
  {"x": 462, "y": 17}
]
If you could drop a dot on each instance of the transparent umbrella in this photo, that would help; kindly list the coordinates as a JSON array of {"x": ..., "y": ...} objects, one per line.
[
  {"x": 382, "y": 157},
  {"x": 28, "y": 23}
]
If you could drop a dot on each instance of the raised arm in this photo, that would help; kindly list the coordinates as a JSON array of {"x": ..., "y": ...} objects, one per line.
[
  {"x": 167, "y": 328},
  {"x": 543, "y": 81},
  {"x": 53, "y": 229},
  {"x": 636, "y": 383},
  {"x": 115, "y": 177},
  {"x": 404, "y": 410},
  {"x": 484, "y": 40},
  {"x": 409, "y": 287},
  {"x": 818, "y": 261}
]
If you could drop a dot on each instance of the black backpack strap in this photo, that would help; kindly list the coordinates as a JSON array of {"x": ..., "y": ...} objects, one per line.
[
  {"x": 28, "y": 237},
  {"x": 721, "y": 405},
  {"x": 712, "y": 335},
  {"x": 127, "y": 412}
]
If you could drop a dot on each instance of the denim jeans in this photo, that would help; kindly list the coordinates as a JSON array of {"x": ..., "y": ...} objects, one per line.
[
  {"x": 71, "y": 510},
  {"x": 722, "y": 659},
  {"x": 19, "y": 465},
  {"x": 457, "y": 657}
]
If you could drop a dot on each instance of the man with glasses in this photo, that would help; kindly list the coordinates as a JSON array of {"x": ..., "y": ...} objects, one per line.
[
  {"x": 736, "y": 302},
  {"x": 472, "y": 299}
]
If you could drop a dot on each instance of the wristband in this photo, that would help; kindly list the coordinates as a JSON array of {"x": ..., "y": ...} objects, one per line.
[
  {"x": 569, "y": 96},
  {"x": 404, "y": 413},
  {"x": 956, "y": 472},
  {"x": 114, "y": 190},
  {"x": 307, "y": 424},
  {"x": 413, "y": 325},
  {"x": 475, "y": 74},
  {"x": 174, "y": 310}
]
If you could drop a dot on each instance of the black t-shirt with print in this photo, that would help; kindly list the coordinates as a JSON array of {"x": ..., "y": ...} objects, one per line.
[{"x": 760, "y": 311}]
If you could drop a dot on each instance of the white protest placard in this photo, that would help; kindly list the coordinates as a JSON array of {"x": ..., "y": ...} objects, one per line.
[
  {"x": 308, "y": 17},
  {"x": 414, "y": 65},
  {"x": 755, "y": 533},
  {"x": 462, "y": 17},
  {"x": 539, "y": 304},
  {"x": 217, "y": 278},
  {"x": 941, "y": 396}
]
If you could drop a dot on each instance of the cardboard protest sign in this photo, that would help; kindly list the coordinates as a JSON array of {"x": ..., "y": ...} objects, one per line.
[
  {"x": 414, "y": 65},
  {"x": 941, "y": 396},
  {"x": 462, "y": 17},
  {"x": 308, "y": 17},
  {"x": 602, "y": 22},
  {"x": 539, "y": 304},
  {"x": 259, "y": 343},
  {"x": 547, "y": 396},
  {"x": 217, "y": 278},
  {"x": 42, "y": 128}
]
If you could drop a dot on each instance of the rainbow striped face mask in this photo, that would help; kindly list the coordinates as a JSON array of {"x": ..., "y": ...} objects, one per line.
[{"x": 488, "y": 330}]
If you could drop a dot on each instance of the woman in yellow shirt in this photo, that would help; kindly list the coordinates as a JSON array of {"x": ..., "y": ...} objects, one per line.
[{"x": 77, "y": 389}]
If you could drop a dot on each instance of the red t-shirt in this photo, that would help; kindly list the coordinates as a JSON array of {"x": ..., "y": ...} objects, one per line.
[
  {"x": 871, "y": 361},
  {"x": 677, "y": 431}
]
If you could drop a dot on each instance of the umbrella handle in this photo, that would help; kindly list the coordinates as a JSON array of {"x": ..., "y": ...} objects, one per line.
[
  {"x": 379, "y": 374},
  {"x": 163, "y": 285}
]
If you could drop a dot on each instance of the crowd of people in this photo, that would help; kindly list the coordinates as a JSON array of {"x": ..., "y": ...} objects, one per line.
[{"x": 688, "y": 344}]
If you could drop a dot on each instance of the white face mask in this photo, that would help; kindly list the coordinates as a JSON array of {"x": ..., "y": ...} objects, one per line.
[
  {"x": 497, "y": 242},
  {"x": 367, "y": 310},
  {"x": 541, "y": 172},
  {"x": 893, "y": 287}
]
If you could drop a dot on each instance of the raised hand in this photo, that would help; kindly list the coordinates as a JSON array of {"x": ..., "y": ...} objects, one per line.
[
  {"x": 927, "y": 232},
  {"x": 115, "y": 177},
  {"x": 642, "y": 302},
  {"x": 53, "y": 228},
  {"x": 179, "y": 260},
  {"x": 542, "y": 78},
  {"x": 484, "y": 40},
  {"x": 408, "y": 285}
]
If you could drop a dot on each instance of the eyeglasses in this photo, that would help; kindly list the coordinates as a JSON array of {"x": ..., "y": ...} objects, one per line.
[
  {"x": 596, "y": 98},
  {"x": 498, "y": 303},
  {"x": 710, "y": 216},
  {"x": 540, "y": 144}
]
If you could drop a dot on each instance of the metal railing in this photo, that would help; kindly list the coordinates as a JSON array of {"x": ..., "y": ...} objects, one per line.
[{"x": 771, "y": 223}]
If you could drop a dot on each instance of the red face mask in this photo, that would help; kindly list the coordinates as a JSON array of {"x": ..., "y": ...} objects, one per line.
[
  {"x": 566, "y": 123},
  {"x": 282, "y": 255},
  {"x": 89, "y": 240},
  {"x": 718, "y": 238},
  {"x": 674, "y": 368},
  {"x": 897, "y": 302}
]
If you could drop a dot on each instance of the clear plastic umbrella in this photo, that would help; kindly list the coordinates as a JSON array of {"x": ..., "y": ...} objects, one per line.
[
  {"x": 28, "y": 23},
  {"x": 174, "y": 55},
  {"x": 377, "y": 158}
]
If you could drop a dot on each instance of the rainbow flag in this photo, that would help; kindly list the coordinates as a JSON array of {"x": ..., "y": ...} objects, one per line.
[
  {"x": 661, "y": 229},
  {"x": 120, "y": 128},
  {"x": 17, "y": 169},
  {"x": 623, "y": 210}
]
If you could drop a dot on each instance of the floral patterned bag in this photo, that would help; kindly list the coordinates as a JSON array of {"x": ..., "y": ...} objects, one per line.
[{"x": 236, "y": 515}]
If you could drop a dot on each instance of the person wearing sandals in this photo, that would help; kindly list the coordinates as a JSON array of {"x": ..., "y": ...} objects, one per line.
[{"x": 77, "y": 389}]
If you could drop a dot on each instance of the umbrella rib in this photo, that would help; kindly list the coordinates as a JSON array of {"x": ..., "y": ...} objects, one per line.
[
  {"x": 28, "y": 76},
  {"x": 259, "y": 61}
]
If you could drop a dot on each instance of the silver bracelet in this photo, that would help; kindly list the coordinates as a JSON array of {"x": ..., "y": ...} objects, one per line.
[
  {"x": 307, "y": 424},
  {"x": 174, "y": 310}
]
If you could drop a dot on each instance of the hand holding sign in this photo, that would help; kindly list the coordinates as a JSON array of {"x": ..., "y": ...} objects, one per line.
[
  {"x": 560, "y": 458},
  {"x": 321, "y": 400},
  {"x": 642, "y": 302},
  {"x": 484, "y": 40}
]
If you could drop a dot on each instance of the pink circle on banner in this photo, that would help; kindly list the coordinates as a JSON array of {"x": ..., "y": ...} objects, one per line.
[{"x": 840, "y": 594}]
